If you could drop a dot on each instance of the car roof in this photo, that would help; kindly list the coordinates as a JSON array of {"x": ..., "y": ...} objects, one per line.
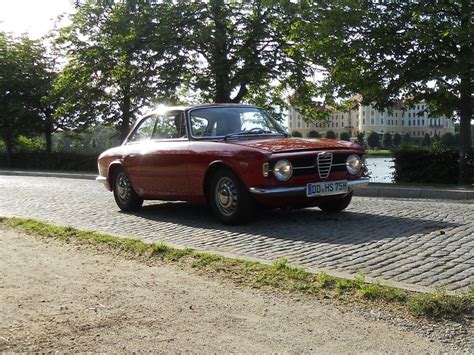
[{"x": 189, "y": 107}]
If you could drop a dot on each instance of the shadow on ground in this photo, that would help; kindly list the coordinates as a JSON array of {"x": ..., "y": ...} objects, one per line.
[{"x": 308, "y": 225}]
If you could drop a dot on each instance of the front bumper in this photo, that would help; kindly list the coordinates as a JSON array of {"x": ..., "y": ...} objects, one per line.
[
  {"x": 300, "y": 191},
  {"x": 104, "y": 181}
]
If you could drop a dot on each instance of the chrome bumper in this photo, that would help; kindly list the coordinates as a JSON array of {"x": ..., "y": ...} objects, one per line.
[
  {"x": 104, "y": 181},
  {"x": 301, "y": 190}
]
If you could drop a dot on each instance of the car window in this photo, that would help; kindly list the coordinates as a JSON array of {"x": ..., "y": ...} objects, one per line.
[
  {"x": 170, "y": 125},
  {"x": 144, "y": 130},
  {"x": 221, "y": 121},
  {"x": 202, "y": 127}
]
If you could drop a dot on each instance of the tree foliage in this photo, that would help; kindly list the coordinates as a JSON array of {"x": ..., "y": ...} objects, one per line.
[
  {"x": 387, "y": 140},
  {"x": 123, "y": 56},
  {"x": 345, "y": 136},
  {"x": 23, "y": 88},
  {"x": 390, "y": 50},
  {"x": 397, "y": 139},
  {"x": 330, "y": 134},
  {"x": 426, "y": 142},
  {"x": 373, "y": 140},
  {"x": 314, "y": 134}
]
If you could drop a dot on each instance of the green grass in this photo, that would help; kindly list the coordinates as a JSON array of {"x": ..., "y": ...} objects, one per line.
[
  {"x": 379, "y": 153},
  {"x": 279, "y": 276}
]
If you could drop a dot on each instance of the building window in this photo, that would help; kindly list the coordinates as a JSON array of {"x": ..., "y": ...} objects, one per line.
[
  {"x": 336, "y": 124},
  {"x": 372, "y": 113},
  {"x": 381, "y": 121},
  {"x": 372, "y": 121},
  {"x": 409, "y": 122},
  {"x": 363, "y": 121},
  {"x": 418, "y": 122},
  {"x": 422, "y": 122}
]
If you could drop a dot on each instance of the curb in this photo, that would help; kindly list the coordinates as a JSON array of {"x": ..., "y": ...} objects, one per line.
[
  {"x": 374, "y": 189},
  {"x": 393, "y": 191},
  {"x": 55, "y": 174}
]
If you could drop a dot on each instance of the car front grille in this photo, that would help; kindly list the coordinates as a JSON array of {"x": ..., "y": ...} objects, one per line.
[
  {"x": 319, "y": 164},
  {"x": 324, "y": 162}
]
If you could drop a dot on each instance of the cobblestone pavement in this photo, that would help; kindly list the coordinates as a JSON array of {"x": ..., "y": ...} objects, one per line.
[{"x": 419, "y": 243}]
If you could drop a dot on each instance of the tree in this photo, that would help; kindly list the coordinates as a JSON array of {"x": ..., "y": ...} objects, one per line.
[
  {"x": 448, "y": 139},
  {"x": 385, "y": 51},
  {"x": 238, "y": 51},
  {"x": 314, "y": 134},
  {"x": 330, "y": 134},
  {"x": 373, "y": 140},
  {"x": 426, "y": 142},
  {"x": 123, "y": 56},
  {"x": 387, "y": 140},
  {"x": 296, "y": 134},
  {"x": 406, "y": 138},
  {"x": 18, "y": 90},
  {"x": 345, "y": 136},
  {"x": 397, "y": 139}
]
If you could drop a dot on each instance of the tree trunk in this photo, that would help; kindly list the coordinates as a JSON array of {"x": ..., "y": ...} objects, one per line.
[
  {"x": 126, "y": 117},
  {"x": 465, "y": 109},
  {"x": 220, "y": 62},
  {"x": 49, "y": 140},
  {"x": 9, "y": 146}
]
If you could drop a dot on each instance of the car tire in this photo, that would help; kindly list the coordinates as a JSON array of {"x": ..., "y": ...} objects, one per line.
[
  {"x": 124, "y": 194},
  {"x": 336, "y": 205},
  {"x": 229, "y": 198}
]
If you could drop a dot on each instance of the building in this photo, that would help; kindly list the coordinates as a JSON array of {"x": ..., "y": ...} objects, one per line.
[{"x": 414, "y": 121}]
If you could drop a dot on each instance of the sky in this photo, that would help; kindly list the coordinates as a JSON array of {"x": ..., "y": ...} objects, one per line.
[{"x": 35, "y": 17}]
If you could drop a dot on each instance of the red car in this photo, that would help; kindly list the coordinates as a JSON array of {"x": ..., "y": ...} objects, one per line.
[{"x": 232, "y": 157}]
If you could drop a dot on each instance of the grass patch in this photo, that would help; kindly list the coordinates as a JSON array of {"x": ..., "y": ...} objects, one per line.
[
  {"x": 441, "y": 305},
  {"x": 280, "y": 275},
  {"x": 379, "y": 153}
]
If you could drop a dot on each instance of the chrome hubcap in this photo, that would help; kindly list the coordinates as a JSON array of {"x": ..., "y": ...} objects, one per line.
[
  {"x": 226, "y": 196},
  {"x": 123, "y": 187}
]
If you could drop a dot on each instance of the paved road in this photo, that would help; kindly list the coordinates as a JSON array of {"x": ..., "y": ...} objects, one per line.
[{"x": 419, "y": 243}]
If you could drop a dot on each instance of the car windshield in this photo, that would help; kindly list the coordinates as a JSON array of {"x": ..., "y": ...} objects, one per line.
[{"x": 232, "y": 121}]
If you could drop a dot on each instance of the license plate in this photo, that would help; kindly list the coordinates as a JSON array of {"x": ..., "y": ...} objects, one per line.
[{"x": 326, "y": 188}]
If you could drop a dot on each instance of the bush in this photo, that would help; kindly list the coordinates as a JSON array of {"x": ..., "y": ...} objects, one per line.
[
  {"x": 345, "y": 136},
  {"x": 373, "y": 140},
  {"x": 314, "y": 134},
  {"x": 436, "y": 166},
  {"x": 73, "y": 161},
  {"x": 426, "y": 140},
  {"x": 331, "y": 135},
  {"x": 387, "y": 140},
  {"x": 397, "y": 139},
  {"x": 296, "y": 134}
]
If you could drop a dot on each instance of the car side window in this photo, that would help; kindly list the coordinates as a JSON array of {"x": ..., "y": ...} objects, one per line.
[
  {"x": 170, "y": 125},
  {"x": 201, "y": 127},
  {"x": 145, "y": 130}
]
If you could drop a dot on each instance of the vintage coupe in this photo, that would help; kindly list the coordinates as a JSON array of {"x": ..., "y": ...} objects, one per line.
[{"x": 234, "y": 158}]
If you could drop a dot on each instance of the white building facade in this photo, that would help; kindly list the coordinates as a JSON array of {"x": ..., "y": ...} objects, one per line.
[{"x": 414, "y": 121}]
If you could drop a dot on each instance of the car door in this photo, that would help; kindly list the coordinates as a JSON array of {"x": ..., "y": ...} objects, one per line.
[{"x": 164, "y": 159}]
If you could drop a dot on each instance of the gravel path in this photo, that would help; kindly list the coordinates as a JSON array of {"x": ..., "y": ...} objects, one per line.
[{"x": 68, "y": 298}]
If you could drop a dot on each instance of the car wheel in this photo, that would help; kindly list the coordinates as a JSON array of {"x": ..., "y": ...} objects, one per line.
[
  {"x": 230, "y": 200},
  {"x": 125, "y": 196},
  {"x": 336, "y": 205}
]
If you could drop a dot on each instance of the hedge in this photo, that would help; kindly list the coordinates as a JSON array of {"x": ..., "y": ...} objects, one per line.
[
  {"x": 39, "y": 160},
  {"x": 436, "y": 166}
]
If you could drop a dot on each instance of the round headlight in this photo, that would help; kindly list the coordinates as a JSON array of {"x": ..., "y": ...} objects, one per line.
[
  {"x": 283, "y": 170},
  {"x": 353, "y": 164}
]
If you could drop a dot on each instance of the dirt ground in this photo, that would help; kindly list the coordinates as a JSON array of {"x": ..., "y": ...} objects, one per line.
[{"x": 63, "y": 297}]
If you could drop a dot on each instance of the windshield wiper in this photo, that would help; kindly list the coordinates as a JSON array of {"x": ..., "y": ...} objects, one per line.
[{"x": 255, "y": 131}]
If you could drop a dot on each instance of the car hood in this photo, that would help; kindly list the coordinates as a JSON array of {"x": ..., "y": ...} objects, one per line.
[{"x": 280, "y": 145}]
